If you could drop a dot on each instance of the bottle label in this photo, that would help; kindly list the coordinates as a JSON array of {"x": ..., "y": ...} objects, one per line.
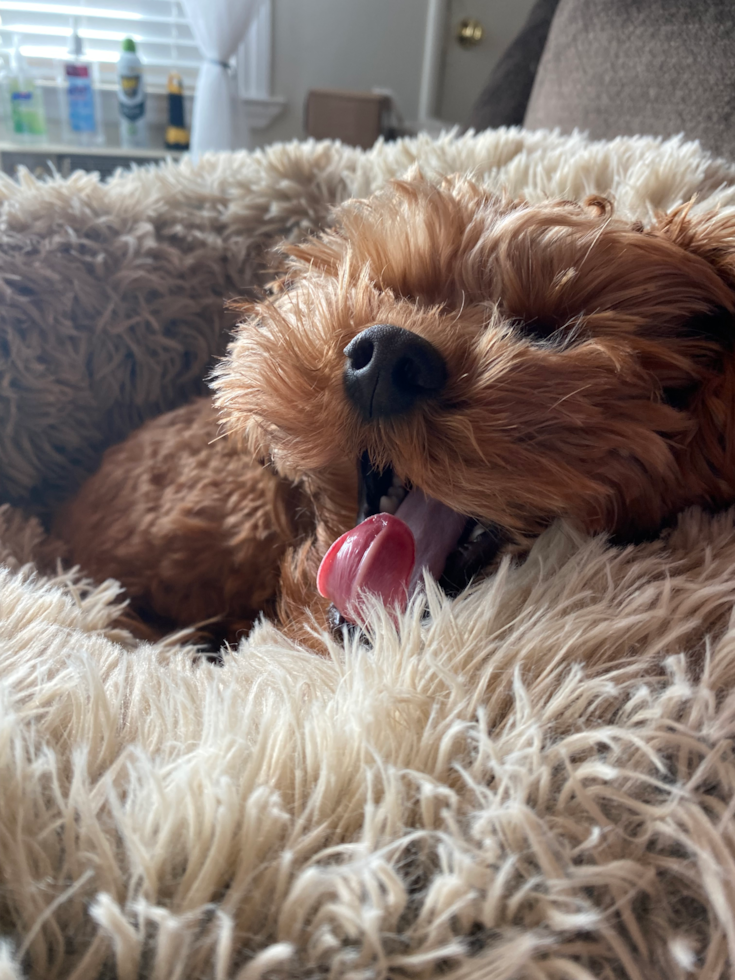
[
  {"x": 19, "y": 101},
  {"x": 81, "y": 99},
  {"x": 130, "y": 84},
  {"x": 132, "y": 112},
  {"x": 26, "y": 113}
]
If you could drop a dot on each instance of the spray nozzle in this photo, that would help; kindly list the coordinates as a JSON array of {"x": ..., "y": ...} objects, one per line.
[{"x": 75, "y": 47}]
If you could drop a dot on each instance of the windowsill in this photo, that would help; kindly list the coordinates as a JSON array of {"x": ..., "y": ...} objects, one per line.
[
  {"x": 69, "y": 150},
  {"x": 259, "y": 110}
]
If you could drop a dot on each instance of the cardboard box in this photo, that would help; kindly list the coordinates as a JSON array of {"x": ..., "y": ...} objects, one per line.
[{"x": 356, "y": 118}]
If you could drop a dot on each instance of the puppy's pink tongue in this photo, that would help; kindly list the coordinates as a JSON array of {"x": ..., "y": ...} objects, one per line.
[
  {"x": 377, "y": 557},
  {"x": 385, "y": 555}
]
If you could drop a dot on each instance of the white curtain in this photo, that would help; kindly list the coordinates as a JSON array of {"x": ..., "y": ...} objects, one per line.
[{"x": 218, "y": 27}]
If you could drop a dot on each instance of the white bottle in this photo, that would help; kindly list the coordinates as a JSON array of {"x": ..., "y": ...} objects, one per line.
[{"x": 131, "y": 98}]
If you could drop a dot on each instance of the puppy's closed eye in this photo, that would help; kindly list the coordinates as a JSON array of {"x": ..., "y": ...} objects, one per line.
[
  {"x": 717, "y": 325},
  {"x": 548, "y": 331}
]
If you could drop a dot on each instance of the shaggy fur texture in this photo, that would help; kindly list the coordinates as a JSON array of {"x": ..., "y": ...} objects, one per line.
[
  {"x": 535, "y": 782},
  {"x": 112, "y": 296}
]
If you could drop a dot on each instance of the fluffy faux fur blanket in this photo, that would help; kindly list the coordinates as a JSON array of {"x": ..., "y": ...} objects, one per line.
[{"x": 535, "y": 781}]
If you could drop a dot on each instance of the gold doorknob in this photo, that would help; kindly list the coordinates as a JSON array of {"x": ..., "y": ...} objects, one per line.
[{"x": 470, "y": 32}]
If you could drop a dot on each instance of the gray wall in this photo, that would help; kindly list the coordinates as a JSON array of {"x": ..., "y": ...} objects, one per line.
[
  {"x": 363, "y": 44},
  {"x": 348, "y": 44}
]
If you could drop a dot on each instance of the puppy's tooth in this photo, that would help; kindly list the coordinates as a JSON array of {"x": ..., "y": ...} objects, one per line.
[
  {"x": 396, "y": 493},
  {"x": 388, "y": 505},
  {"x": 396, "y": 481},
  {"x": 477, "y": 531}
]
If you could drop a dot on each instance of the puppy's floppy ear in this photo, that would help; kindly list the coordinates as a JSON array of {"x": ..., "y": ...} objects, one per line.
[{"x": 711, "y": 237}]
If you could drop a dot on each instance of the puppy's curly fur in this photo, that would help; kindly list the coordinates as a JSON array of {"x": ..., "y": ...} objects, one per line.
[
  {"x": 590, "y": 376},
  {"x": 194, "y": 529}
]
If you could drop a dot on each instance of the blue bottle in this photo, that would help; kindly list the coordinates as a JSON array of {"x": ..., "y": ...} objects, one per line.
[{"x": 82, "y": 123}]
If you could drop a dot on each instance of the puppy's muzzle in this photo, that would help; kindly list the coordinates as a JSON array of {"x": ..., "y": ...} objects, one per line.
[{"x": 389, "y": 370}]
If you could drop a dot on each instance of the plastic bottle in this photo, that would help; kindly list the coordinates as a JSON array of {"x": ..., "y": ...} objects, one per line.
[
  {"x": 23, "y": 100},
  {"x": 81, "y": 115},
  {"x": 131, "y": 98}
]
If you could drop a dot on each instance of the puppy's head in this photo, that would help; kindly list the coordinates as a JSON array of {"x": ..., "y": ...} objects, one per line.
[{"x": 515, "y": 362}]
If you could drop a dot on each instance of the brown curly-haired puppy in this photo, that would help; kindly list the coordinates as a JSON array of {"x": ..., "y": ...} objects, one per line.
[{"x": 474, "y": 366}]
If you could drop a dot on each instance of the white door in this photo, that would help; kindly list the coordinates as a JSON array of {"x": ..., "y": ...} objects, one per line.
[{"x": 466, "y": 68}]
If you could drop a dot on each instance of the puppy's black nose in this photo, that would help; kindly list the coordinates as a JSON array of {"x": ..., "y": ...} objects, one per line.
[{"x": 390, "y": 369}]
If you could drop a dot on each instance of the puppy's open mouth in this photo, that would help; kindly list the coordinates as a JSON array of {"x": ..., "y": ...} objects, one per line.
[{"x": 401, "y": 532}]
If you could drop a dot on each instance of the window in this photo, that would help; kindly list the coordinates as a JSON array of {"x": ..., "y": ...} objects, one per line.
[{"x": 158, "y": 27}]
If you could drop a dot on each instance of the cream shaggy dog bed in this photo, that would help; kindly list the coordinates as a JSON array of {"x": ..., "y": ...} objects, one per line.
[{"x": 538, "y": 781}]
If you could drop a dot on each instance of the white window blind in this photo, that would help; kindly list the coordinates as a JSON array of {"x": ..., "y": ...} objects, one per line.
[{"x": 158, "y": 27}]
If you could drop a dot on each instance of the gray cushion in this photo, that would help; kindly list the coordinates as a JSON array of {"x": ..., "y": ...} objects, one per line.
[
  {"x": 504, "y": 98},
  {"x": 657, "y": 67}
]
